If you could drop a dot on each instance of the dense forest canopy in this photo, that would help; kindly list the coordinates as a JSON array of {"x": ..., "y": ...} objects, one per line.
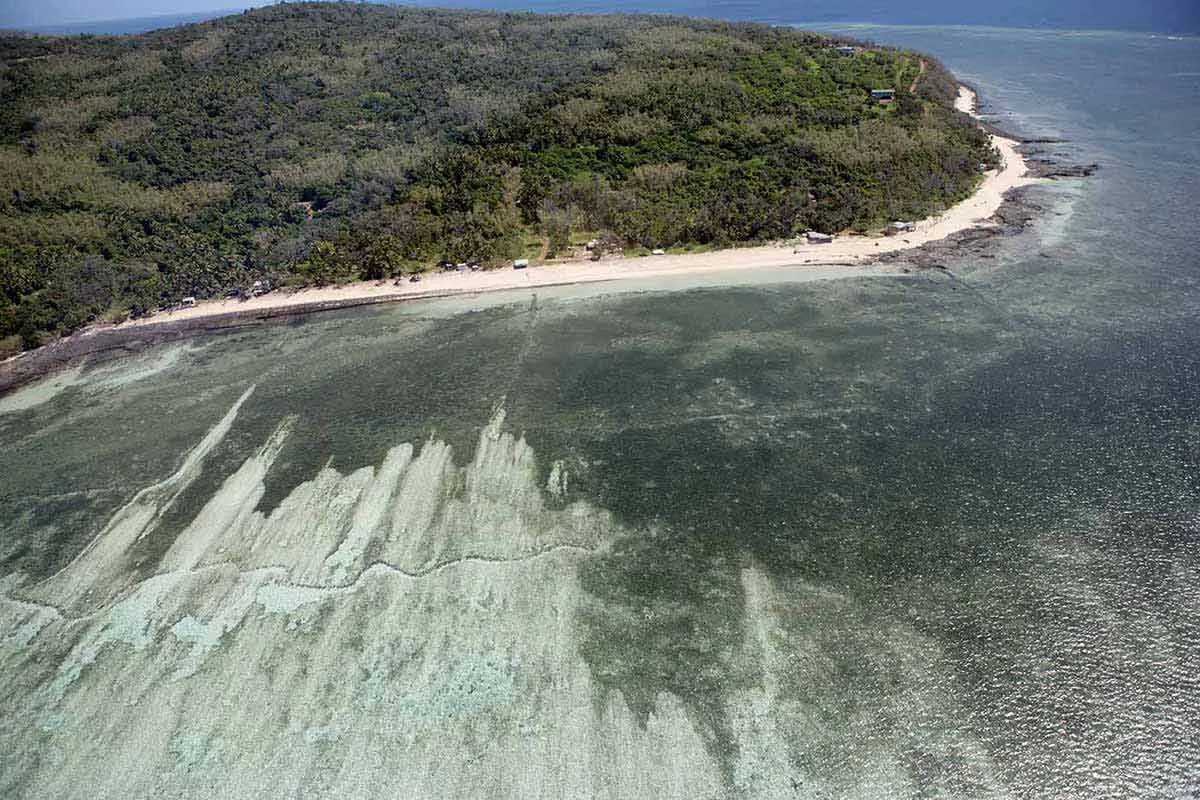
[{"x": 315, "y": 142}]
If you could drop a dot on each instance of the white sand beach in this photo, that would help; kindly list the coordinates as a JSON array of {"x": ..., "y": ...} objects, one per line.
[{"x": 847, "y": 252}]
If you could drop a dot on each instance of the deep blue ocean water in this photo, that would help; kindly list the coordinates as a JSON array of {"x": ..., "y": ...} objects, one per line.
[{"x": 997, "y": 471}]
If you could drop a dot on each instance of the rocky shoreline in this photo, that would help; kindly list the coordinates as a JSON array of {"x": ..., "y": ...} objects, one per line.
[
  {"x": 1018, "y": 210},
  {"x": 1013, "y": 216}
]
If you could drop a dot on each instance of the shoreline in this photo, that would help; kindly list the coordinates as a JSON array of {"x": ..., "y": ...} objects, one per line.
[
  {"x": 850, "y": 253},
  {"x": 847, "y": 251}
]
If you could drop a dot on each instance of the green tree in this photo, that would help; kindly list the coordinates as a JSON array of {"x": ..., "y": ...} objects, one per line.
[{"x": 327, "y": 262}]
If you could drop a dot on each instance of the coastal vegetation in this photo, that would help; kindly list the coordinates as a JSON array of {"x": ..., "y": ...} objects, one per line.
[{"x": 320, "y": 142}]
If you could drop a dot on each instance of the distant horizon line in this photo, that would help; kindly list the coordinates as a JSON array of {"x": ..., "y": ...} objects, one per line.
[
  {"x": 199, "y": 16},
  {"x": 94, "y": 26}
]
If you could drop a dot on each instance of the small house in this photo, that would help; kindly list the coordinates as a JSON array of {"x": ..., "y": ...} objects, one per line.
[
  {"x": 900, "y": 227},
  {"x": 883, "y": 95},
  {"x": 815, "y": 237}
]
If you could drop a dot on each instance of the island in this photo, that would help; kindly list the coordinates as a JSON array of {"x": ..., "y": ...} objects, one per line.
[{"x": 191, "y": 169}]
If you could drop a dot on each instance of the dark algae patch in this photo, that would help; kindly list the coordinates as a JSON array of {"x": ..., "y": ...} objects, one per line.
[
  {"x": 819, "y": 443},
  {"x": 664, "y": 617}
]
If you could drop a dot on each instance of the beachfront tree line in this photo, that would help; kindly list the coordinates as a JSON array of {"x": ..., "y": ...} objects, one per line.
[{"x": 320, "y": 142}]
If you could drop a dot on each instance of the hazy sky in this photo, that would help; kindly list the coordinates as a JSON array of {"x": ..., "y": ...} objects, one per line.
[{"x": 55, "y": 12}]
